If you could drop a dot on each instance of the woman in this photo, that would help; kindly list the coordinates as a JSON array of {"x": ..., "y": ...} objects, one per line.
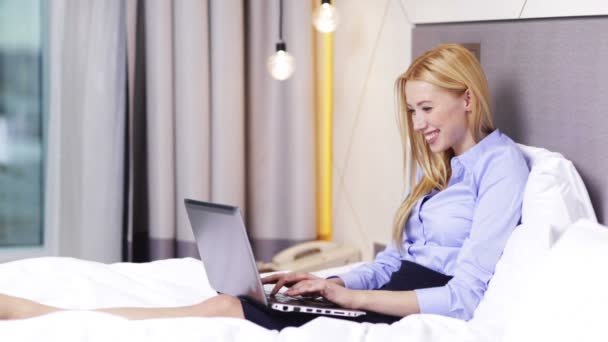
[{"x": 466, "y": 193}]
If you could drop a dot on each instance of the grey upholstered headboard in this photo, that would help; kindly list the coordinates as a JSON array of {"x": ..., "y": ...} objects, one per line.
[{"x": 549, "y": 84}]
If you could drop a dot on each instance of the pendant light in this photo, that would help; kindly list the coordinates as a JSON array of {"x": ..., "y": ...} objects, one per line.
[
  {"x": 281, "y": 65},
  {"x": 325, "y": 18}
]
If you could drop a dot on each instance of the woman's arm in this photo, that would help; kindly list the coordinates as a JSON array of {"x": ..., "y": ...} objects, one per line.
[
  {"x": 374, "y": 275},
  {"x": 394, "y": 303}
]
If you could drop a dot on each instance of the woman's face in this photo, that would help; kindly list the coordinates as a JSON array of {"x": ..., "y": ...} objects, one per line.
[{"x": 440, "y": 116}]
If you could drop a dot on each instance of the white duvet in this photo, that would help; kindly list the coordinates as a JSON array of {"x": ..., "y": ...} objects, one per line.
[{"x": 82, "y": 285}]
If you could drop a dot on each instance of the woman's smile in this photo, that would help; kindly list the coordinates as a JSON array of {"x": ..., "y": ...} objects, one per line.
[{"x": 431, "y": 136}]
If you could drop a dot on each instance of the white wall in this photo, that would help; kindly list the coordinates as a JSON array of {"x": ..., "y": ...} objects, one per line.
[
  {"x": 372, "y": 47},
  {"x": 435, "y": 11}
]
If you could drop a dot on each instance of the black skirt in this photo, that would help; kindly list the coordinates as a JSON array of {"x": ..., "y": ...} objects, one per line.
[{"x": 410, "y": 276}]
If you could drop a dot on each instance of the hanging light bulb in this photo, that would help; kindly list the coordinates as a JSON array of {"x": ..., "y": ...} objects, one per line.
[
  {"x": 281, "y": 65},
  {"x": 326, "y": 18}
]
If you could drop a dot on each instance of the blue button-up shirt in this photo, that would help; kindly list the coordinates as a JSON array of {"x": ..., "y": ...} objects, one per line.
[{"x": 460, "y": 231}]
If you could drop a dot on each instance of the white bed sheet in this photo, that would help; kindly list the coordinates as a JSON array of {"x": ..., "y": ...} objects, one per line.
[
  {"x": 554, "y": 305},
  {"x": 82, "y": 285}
]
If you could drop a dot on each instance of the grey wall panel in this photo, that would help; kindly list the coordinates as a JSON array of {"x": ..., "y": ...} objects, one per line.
[{"x": 549, "y": 84}]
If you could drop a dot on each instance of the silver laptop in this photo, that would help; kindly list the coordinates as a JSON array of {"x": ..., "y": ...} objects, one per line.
[{"x": 224, "y": 248}]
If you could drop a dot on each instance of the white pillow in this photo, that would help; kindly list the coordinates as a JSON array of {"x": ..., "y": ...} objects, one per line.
[
  {"x": 554, "y": 197},
  {"x": 555, "y": 193}
]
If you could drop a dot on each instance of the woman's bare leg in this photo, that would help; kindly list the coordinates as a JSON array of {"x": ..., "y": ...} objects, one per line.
[
  {"x": 218, "y": 306},
  {"x": 17, "y": 308}
]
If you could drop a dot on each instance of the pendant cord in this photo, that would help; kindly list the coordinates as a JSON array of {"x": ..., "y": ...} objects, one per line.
[{"x": 280, "y": 20}]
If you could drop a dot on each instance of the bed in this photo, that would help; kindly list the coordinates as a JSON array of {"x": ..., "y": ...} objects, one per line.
[
  {"x": 530, "y": 311},
  {"x": 549, "y": 283}
]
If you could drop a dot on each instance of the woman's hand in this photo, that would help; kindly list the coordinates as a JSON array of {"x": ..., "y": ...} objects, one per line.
[
  {"x": 286, "y": 279},
  {"x": 330, "y": 290},
  {"x": 395, "y": 303}
]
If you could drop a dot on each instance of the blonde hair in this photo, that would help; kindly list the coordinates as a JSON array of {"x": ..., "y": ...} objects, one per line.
[{"x": 453, "y": 68}]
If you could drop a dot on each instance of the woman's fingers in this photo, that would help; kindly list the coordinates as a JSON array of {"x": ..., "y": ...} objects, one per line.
[
  {"x": 286, "y": 279},
  {"x": 279, "y": 284},
  {"x": 271, "y": 279},
  {"x": 329, "y": 290},
  {"x": 304, "y": 287},
  {"x": 291, "y": 276}
]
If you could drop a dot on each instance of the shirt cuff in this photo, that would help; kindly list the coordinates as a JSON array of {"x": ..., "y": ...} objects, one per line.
[{"x": 434, "y": 300}]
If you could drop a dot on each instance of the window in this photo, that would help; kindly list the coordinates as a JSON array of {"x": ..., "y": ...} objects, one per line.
[{"x": 21, "y": 124}]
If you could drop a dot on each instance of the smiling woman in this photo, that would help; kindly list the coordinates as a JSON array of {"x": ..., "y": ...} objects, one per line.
[{"x": 21, "y": 132}]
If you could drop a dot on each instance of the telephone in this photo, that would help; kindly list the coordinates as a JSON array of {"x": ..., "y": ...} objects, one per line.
[{"x": 312, "y": 256}]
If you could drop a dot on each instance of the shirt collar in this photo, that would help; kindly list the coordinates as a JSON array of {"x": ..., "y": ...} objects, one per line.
[{"x": 473, "y": 154}]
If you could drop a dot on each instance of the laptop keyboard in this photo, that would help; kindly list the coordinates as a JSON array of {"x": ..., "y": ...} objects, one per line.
[{"x": 298, "y": 300}]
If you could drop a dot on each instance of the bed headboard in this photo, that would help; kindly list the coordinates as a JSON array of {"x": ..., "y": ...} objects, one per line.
[{"x": 549, "y": 85}]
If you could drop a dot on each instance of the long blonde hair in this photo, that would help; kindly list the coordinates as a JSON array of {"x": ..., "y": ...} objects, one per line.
[{"x": 453, "y": 68}]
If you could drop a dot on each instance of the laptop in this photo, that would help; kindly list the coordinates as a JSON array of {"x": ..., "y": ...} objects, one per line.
[{"x": 225, "y": 250}]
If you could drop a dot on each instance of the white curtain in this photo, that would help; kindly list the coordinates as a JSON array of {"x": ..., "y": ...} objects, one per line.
[
  {"x": 201, "y": 119},
  {"x": 86, "y": 128},
  {"x": 183, "y": 158},
  {"x": 211, "y": 135}
]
